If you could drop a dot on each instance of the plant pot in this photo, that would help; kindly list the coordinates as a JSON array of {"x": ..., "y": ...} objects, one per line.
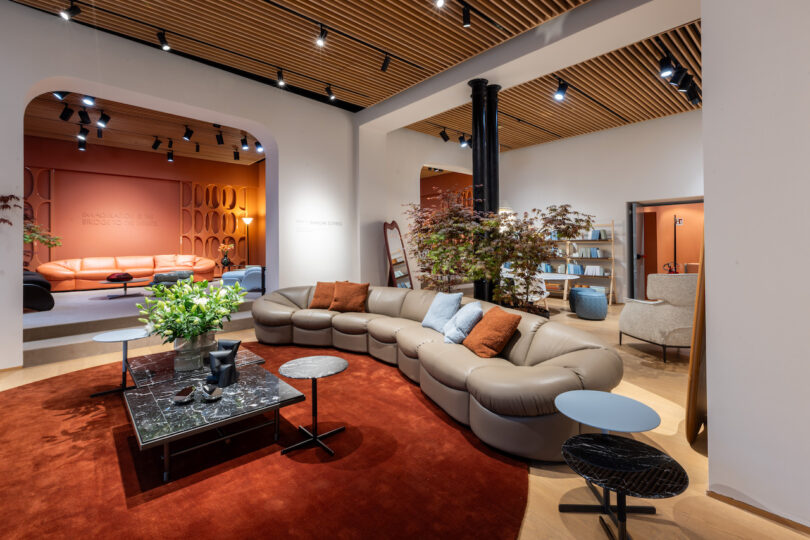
[{"x": 193, "y": 352}]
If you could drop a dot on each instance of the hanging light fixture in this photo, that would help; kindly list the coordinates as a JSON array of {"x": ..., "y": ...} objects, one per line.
[
  {"x": 677, "y": 76},
  {"x": 99, "y": 133},
  {"x": 197, "y": 147},
  {"x": 465, "y": 16},
  {"x": 171, "y": 143},
  {"x": 439, "y": 3},
  {"x": 462, "y": 141},
  {"x": 235, "y": 154},
  {"x": 68, "y": 14},
  {"x": 170, "y": 156},
  {"x": 693, "y": 95},
  {"x": 685, "y": 83}
]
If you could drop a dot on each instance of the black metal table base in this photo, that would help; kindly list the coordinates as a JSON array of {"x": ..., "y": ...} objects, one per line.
[
  {"x": 617, "y": 512},
  {"x": 313, "y": 438},
  {"x": 120, "y": 389}
]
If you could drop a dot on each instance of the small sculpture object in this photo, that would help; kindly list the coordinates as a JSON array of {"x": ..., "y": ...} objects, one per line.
[{"x": 223, "y": 365}]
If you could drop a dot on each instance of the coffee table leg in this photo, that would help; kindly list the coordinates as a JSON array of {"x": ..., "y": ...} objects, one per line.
[
  {"x": 275, "y": 426},
  {"x": 166, "y": 456}
]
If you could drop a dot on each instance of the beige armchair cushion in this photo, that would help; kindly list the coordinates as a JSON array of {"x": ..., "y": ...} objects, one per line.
[
  {"x": 667, "y": 320},
  {"x": 675, "y": 289},
  {"x": 451, "y": 365}
]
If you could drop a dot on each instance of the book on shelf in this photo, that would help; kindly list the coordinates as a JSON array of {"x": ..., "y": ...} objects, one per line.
[
  {"x": 593, "y": 270},
  {"x": 399, "y": 273}
]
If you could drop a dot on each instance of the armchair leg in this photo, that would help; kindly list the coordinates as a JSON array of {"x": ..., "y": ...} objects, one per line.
[
  {"x": 620, "y": 338},
  {"x": 665, "y": 353}
]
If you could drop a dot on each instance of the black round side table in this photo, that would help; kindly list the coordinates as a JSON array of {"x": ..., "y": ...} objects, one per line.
[
  {"x": 626, "y": 466},
  {"x": 314, "y": 368}
]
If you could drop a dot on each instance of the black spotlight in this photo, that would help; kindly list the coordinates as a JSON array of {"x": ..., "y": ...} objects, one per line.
[
  {"x": 259, "y": 147},
  {"x": 280, "y": 79},
  {"x": 66, "y": 113},
  {"x": 469, "y": 142},
  {"x": 665, "y": 67},
  {"x": 83, "y": 133},
  {"x": 89, "y": 100},
  {"x": 197, "y": 147},
  {"x": 330, "y": 93},
  {"x": 84, "y": 118},
  {"x": 677, "y": 76},
  {"x": 245, "y": 143},
  {"x": 61, "y": 94},
  {"x": 170, "y": 156},
  {"x": 321, "y": 41},
  {"x": 188, "y": 133},
  {"x": 220, "y": 139},
  {"x": 235, "y": 155},
  {"x": 103, "y": 120},
  {"x": 465, "y": 16},
  {"x": 156, "y": 144},
  {"x": 171, "y": 143},
  {"x": 164, "y": 44},
  {"x": 68, "y": 14},
  {"x": 443, "y": 134},
  {"x": 693, "y": 95},
  {"x": 82, "y": 146},
  {"x": 99, "y": 133},
  {"x": 386, "y": 63},
  {"x": 462, "y": 141},
  {"x": 562, "y": 88},
  {"x": 685, "y": 83}
]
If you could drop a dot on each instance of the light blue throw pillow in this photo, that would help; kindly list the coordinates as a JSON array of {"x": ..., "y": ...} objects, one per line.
[
  {"x": 462, "y": 323},
  {"x": 441, "y": 310}
]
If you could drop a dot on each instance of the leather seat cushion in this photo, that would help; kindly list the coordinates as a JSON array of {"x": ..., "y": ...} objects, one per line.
[
  {"x": 452, "y": 364},
  {"x": 97, "y": 274},
  {"x": 313, "y": 319},
  {"x": 521, "y": 390},
  {"x": 353, "y": 323},
  {"x": 411, "y": 338},
  {"x": 272, "y": 314},
  {"x": 385, "y": 329}
]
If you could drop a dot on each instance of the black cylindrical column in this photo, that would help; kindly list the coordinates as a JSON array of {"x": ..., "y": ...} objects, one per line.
[
  {"x": 492, "y": 185},
  {"x": 479, "y": 167}
]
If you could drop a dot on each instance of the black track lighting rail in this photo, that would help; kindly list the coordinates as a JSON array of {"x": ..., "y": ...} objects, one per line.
[
  {"x": 522, "y": 121},
  {"x": 340, "y": 32},
  {"x": 584, "y": 94},
  {"x": 462, "y": 133}
]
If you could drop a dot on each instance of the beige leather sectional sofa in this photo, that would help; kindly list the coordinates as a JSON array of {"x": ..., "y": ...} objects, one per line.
[{"x": 508, "y": 401}]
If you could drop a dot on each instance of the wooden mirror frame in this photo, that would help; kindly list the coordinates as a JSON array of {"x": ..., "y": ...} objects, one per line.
[{"x": 392, "y": 279}]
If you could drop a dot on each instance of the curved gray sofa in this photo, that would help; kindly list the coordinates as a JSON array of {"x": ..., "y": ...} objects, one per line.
[{"x": 507, "y": 401}]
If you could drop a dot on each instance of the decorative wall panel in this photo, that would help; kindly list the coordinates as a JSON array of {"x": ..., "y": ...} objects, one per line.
[{"x": 37, "y": 201}]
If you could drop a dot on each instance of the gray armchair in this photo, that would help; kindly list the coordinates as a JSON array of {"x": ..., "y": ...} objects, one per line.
[{"x": 666, "y": 321}]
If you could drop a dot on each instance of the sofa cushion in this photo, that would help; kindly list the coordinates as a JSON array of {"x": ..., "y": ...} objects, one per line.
[
  {"x": 556, "y": 339},
  {"x": 271, "y": 313},
  {"x": 386, "y": 300},
  {"x": 409, "y": 339},
  {"x": 298, "y": 296},
  {"x": 349, "y": 297},
  {"x": 451, "y": 364},
  {"x": 323, "y": 295},
  {"x": 416, "y": 304},
  {"x": 139, "y": 272},
  {"x": 313, "y": 319},
  {"x": 385, "y": 329},
  {"x": 165, "y": 261},
  {"x": 353, "y": 323},
  {"x": 441, "y": 310},
  {"x": 517, "y": 348},
  {"x": 462, "y": 323},
  {"x": 521, "y": 390},
  {"x": 143, "y": 261},
  {"x": 491, "y": 335},
  {"x": 99, "y": 263},
  {"x": 186, "y": 260},
  {"x": 98, "y": 274}
]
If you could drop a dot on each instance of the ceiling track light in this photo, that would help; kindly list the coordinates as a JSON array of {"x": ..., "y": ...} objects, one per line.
[
  {"x": 665, "y": 67},
  {"x": 66, "y": 113},
  {"x": 562, "y": 88},
  {"x": 69, "y": 13},
  {"x": 245, "y": 145},
  {"x": 82, "y": 146},
  {"x": 685, "y": 83},
  {"x": 462, "y": 141},
  {"x": 83, "y": 133},
  {"x": 99, "y": 133},
  {"x": 103, "y": 120},
  {"x": 330, "y": 93},
  {"x": 188, "y": 133},
  {"x": 170, "y": 156},
  {"x": 259, "y": 147},
  {"x": 164, "y": 43},
  {"x": 465, "y": 16},
  {"x": 84, "y": 118},
  {"x": 220, "y": 138},
  {"x": 321, "y": 41},
  {"x": 235, "y": 154},
  {"x": 171, "y": 143},
  {"x": 89, "y": 100},
  {"x": 156, "y": 144},
  {"x": 197, "y": 147},
  {"x": 443, "y": 134},
  {"x": 280, "y": 79},
  {"x": 693, "y": 95},
  {"x": 677, "y": 76},
  {"x": 61, "y": 94},
  {"x": 439, "y": 4},
  {"x": 470, "y": 142},
  {"x": 386, "y": 63}
]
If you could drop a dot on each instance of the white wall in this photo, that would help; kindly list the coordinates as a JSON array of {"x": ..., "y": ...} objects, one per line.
[
  {"x": 756, "y": 126},
  {"x": 310, "y": 175},
  {"x": 600, "y": 172}
]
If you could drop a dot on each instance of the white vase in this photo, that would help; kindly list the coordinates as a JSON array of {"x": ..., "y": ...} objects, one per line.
[{"x": 193, "y": 352}]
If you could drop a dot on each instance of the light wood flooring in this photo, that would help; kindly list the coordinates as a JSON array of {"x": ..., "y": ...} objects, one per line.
[{"x": 691, "y": 515}]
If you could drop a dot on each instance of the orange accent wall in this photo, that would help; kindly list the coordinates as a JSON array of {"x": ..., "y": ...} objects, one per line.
[
  {"x": 690, "y": 234},
  {"x": 452, "y": 181},
  {"x": 110, "y": 201}
]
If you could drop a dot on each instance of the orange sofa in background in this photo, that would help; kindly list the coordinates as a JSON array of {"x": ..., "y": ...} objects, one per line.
[{"x": 89, "y": 272}]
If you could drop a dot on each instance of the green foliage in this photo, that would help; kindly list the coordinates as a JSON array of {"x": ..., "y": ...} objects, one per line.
[
  {"x": 188, "y": 309},
  {"x": 33, "y": 232}
]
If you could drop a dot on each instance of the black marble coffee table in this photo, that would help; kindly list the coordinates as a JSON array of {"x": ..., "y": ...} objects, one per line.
[
  {"x": 159, "y": 367},
  {"x": 157, "y": 420},
  {"x": 314, "y": 368},
  {"x": 626, "y": 466}
]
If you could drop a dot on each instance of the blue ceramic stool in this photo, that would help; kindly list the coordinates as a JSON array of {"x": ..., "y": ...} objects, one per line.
[{"x": 591, "y": 305}]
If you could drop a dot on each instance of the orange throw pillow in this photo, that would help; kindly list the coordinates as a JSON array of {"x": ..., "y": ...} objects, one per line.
[
  {"x": 349, "y": 297},
  {"x": 492, "y": 333},
  {"x": 322, "y": 298}
]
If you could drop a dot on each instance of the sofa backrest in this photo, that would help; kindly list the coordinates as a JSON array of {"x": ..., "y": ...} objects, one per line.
[
  {"x": 386, "y": 300},
  {"x": 554, "y": 339},
  {"x": 416, "y": 304},
  {"x": 98, "y": 263},
  {"x": 517, "y": 350},
  {"x": 675, "y": 289},
  {"x": 140, "y": 262}
]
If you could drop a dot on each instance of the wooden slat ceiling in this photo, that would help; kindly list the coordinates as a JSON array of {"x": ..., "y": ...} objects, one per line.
[
  {"x": 415, "y": 30},
  {"x": 625, "y": 80},
  {"x": 135, "y": 128}
]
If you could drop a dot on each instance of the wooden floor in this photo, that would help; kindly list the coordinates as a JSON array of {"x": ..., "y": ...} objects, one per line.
[{"x": 662, "y": 386}]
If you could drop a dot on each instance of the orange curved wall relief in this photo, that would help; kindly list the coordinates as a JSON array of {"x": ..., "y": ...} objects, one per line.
[{"x": 37, "y": 197}]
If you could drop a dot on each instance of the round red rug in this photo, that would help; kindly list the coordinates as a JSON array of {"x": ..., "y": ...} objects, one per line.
[{"x": 70, "y": 467}]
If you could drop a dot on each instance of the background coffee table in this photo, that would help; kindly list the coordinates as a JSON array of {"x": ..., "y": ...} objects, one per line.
[
  {"x": 123, "y": 336},
  {"x": 139, "y": 281},
  {"x": 159, "y": 422}
]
